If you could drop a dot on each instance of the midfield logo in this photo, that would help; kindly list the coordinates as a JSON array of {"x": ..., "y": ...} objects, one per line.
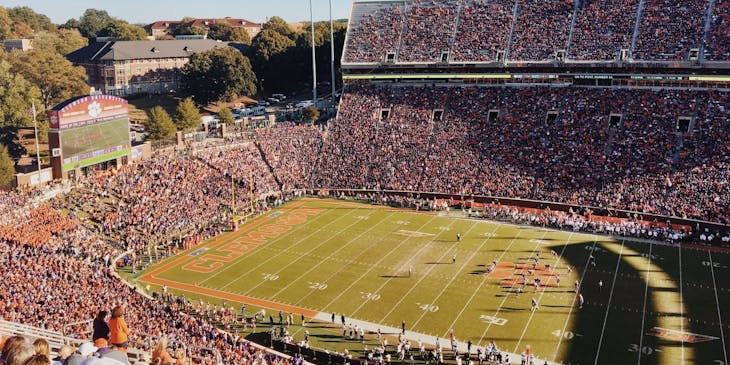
[{"x": 674, "y": 335}]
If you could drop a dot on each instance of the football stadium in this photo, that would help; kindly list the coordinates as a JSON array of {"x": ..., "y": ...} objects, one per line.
[{"x": 504, "y": 182}]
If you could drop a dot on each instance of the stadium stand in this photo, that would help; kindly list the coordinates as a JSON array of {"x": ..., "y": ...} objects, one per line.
[
  {"x": 659, "y": 150},
  {"x": 588, "y": 30}
]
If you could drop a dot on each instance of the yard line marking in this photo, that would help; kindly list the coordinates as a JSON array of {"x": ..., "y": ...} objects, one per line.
[
  {"x": 506, "y": 296},
  {"x": 532, "y": 314},
  {"x": 717, "y": 302},
  {"x": 354, "y": 222},
  {"x": 461, "y": 267},
  {"x": 681, "y": 300},
  {"x": 371, "y": 269},
  {"x": 233, "y": 264},
  {"x": 379, "y": 266},
  {"x": 484, "y": 280},
  {"x": 646, "y": 293},
  {"x": 608, "y": 306},
  {"x": 342, "y": 267}
]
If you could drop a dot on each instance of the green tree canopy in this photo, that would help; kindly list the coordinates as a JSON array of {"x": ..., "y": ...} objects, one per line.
[
  {"x": 225, "y": 116},
  {"x": 269, "y": 43},
  {"x": 35, "y": 21},
  {"x": 6, "y": 24},
  {"x": 55, "y": 77},
  {"x": 64, "y": 41},
  {"x": 280, "y": 26},
  {"x": 159, "y": 125},
  {"x": 218, "y": 74},
  {"x": 16, "y": 94},
  {"x": 7, "y": 168},
  {"x": 187, "y": 117},
  {"x": 225, "y": 32},
  {"x": 123, "y": 31},
  {"x": 93, "y": 21}
]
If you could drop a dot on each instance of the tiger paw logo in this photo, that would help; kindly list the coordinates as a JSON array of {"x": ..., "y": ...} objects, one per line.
[{"x": 94, "y": 109}]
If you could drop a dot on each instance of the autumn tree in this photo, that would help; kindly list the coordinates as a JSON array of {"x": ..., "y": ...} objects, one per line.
[
  {"x": 55, "y": 77},
  {"x": 160, "y": 125},
  {"x": 225, "y": 116},
  {"x": 7, "y": 168},
  {"x": 187, "y": 116},
  {"x": 16, "y": 94}
]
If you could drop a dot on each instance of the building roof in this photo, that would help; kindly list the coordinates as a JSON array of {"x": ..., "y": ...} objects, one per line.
[
  {"x": 164, "y": 24},
  {"x": 233, "y": 22},
  {"x": 133, "y": 50}
]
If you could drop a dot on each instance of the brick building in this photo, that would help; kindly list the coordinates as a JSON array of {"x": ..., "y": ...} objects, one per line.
[
  {"x": 131, "y": 67},
  {"x": 163, "y": 28}
]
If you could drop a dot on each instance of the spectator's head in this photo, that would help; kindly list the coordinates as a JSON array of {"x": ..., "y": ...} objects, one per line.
[
  {"x": 87, "y": 349},
  {"x": 19, "y": 354},
  {"x": 101, "y": 315},
  {"x": 9, "y": 344},
  {"x": 38, "y": 359},
  {"x": 42, "y": 348},
  {"x": 118, "y": 311},
  {"x": 161, "y": 345},
  {"x": 65, "y": 351}
]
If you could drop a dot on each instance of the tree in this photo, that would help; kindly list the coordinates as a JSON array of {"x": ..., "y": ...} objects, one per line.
[
  {"x": 187, "y": 116},
  {"x": 21, "y": 30},
  {"x": 37, "y": 22},
  {"x": 269, "y": 43},
  {"x": 159, "y": 125},
  {"x": 218, "y": 74},
  {"x": 16, "y": 94},
  {"x": 123, "y": 31},
  {"x": 185, "y": 30},
  {"x": 64, "y": 41},
  {"x": 280, "y": 26},
  {"x": 7, "y": 167},
  {"x": 55, "y": 77},
  {"x": 5, "y": 24},
  {"x": 311, "y": 113},
  {"x": 225, "y": 116},
  {"x": 220, "y": 31},
  {"x": 240, "y": 35},
  {"x": 93, "y": 21}
]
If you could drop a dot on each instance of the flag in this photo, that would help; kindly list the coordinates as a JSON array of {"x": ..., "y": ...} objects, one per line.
[{"x": 31, "y": 110}]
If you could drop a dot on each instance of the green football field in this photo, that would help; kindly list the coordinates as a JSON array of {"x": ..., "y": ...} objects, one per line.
[{"x": 658, "y": 304}]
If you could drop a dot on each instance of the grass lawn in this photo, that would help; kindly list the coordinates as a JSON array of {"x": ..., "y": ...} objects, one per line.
[
  {"x": 657, "y": 304},
  {"x": 138, "y": 107}
]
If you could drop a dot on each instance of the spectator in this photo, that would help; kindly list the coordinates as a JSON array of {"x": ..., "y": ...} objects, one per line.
[
  {"x": 101, "y": 328},
  {"x": 160, "y": 355},
  {"x": 118, "y": 330}
]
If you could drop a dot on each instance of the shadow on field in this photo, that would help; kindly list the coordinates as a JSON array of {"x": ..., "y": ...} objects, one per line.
[
  {"x": 394, "y": 276},
  {"x": 437, "y": 263}
]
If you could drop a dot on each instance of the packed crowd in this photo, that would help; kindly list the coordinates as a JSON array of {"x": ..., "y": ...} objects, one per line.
[
  {"x": 544, "y": 143},
  {"x": 292, "y": 152},
  {"x": 718, "y": 42},
  {"x": 57, "y": 271},
  {"x": 474, "y": 30},
  {"x": 429, "y": 30},
  {"x": 602, "y": 40},
  {"x": 477, "y": 39},
  {"x": 149, "y": 203},
  {"x": 373, "y": 40},
  {"x": 541, "y": 30},
  {"x": 670, "y": 28}
]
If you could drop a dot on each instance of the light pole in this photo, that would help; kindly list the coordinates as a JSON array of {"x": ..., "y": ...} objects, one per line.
[
  {"x": 314, "y": 54},
  {"x": 332, "y": 55}
]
